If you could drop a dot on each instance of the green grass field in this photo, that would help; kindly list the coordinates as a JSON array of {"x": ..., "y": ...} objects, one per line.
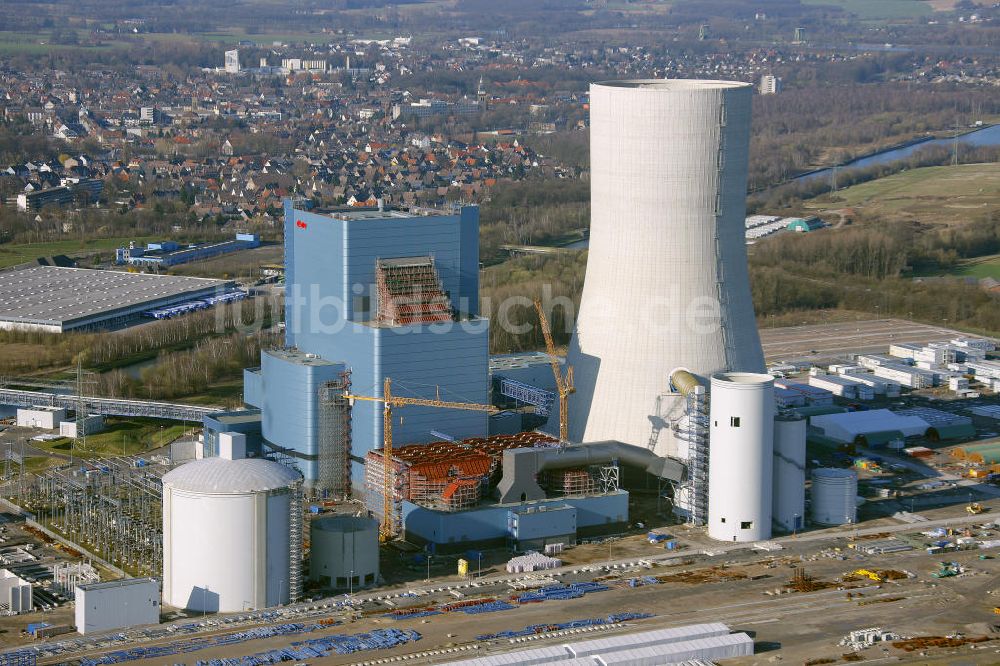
[
  {"x": 879, "y": 10},
  {"x": 38, "y": 464},
  {"x": 983, "y": 267},
  {"x": 37, "y": 43},
  {"x": 11, "y": 255},
  {"x": 122, "y": 436},
  {"x": 948, "y": 195}
]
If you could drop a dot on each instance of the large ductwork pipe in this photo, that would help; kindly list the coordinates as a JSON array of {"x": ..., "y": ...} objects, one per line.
[
  {"x": 522, "y": 466},
  {"x": 683, "y": 381}
]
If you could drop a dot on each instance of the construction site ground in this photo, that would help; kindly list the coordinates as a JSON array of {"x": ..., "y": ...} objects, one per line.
[
  {"x": 734, "y": 584},
  {"x": 821, "y": 343}
]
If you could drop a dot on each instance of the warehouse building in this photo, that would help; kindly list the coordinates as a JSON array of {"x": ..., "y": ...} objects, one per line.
[
  {"x": 55, "y": 299},
  {"x": 980, "y": 344},
  {"x": 860, "y": 376},
  {"x": 168, "y": 253},
  {"x": 876, "y": 426},
  {"x": 892, "y": 369},
  {"x": 88, "y": 425},
  {"x": 872, "y": 361},
  {"x": 804, "y": 224},
  {"x": 677, "y": 645},
  {"x": 941, "y": 424},
  {"x": 841, "y": 387},
  {"x": 930, "y": 354},
  {"x": 45, "y": 417},
  {"x": 989, "y": 411},
  {"x": 15, "y": 592},
  {"x": 985, "y": 370},
  {"x": 811, "y": 395},
  {"x": 117, "y": 604},
  {"x": 959, "y": 354},
  {"x": 788, "y": 398},
  {"x": 914, "y": 378}
]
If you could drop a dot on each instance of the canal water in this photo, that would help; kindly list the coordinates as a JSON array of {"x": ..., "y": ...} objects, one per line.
[{"x": 987, "y": 136}]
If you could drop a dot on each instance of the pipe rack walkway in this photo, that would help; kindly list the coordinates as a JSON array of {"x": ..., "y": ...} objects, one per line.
[{"x": 106, "y": 406}]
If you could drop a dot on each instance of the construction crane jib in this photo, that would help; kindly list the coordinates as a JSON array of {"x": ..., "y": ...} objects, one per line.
[
  {"x": 389, "y": 401},
  {"x": 564, "y": 383}
]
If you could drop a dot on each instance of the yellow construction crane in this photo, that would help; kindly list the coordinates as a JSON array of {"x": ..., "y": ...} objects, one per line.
[
  {"x": 564, "y": 383},
  {"x": 389, "y": 401}
]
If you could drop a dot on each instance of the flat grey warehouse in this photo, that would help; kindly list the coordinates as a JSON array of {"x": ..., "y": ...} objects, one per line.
[{"x": 50, "y": 298}]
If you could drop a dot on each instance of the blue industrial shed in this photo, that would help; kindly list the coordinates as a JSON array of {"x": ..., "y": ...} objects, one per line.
[
  {"x": 552, "y": 520},
  {"x": 244, "y": 421}
]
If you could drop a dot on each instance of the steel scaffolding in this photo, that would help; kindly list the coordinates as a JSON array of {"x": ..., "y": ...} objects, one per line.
[
  {"x": 375, "y": 486},
  {"x": 579, "y": 481},
  {"x": 295, "y": 551},
  {"x": 540, "y": 399},
  {"x": 446, "y": 476},
  {"x": 692, "y": 494},
  {"x": 335, "y": 437},
  {"x": 608, "y": 477},
  {"x": 409, "y": 292}
]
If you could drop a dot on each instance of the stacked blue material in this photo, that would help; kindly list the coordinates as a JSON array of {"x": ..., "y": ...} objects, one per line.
[
  {"x": 315, "y": 648},
  {"x": 541, "y": 628},
  {"x": 561, "y": 592}
]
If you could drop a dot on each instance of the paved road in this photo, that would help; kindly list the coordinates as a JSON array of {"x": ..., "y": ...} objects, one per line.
[
  {"x": 755, "y": 610},
  {"x": 20, "y": 443},
  {"x": 837, "y": 340}
]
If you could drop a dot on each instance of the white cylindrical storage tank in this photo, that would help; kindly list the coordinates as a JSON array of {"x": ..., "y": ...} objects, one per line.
[
  {"x": 834, "y": 496},
  {"x": 667, "y": 283},
  {"x": 740, "y": 451},
  {"x": 344, "y": 552},
  {"x": 227, "y": 535},
  {"x": 788, "y": 503}
]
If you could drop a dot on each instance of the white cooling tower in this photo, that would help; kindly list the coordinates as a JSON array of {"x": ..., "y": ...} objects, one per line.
[
  {"x": 789, "y": 493},
  {"x": 739, "y": 456},
  {"x": 667, "y": 280}
]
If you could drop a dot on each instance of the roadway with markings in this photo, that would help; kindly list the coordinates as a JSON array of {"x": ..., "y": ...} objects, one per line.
[{"x": 817, "y": 342}]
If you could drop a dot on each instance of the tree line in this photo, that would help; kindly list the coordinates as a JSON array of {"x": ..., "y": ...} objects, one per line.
[
  {"x": 194, "y": 371},
  {"x": 507, "y": 291},
  {"x": 532, "y": 212},
  {"x": 99, "y": 351},
  {"x": 865, "y": 268},
  {"x": 880, "y": 249}
]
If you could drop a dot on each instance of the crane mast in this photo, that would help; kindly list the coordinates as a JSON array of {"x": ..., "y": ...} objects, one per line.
[
  {"x": 389, "y": 401},
  {"x": 564, "y": 383}
]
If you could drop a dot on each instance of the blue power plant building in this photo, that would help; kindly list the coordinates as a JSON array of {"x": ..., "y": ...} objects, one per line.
[
  {"x": 386, "y": 294},
  {"x": 372, "y": 294}
]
